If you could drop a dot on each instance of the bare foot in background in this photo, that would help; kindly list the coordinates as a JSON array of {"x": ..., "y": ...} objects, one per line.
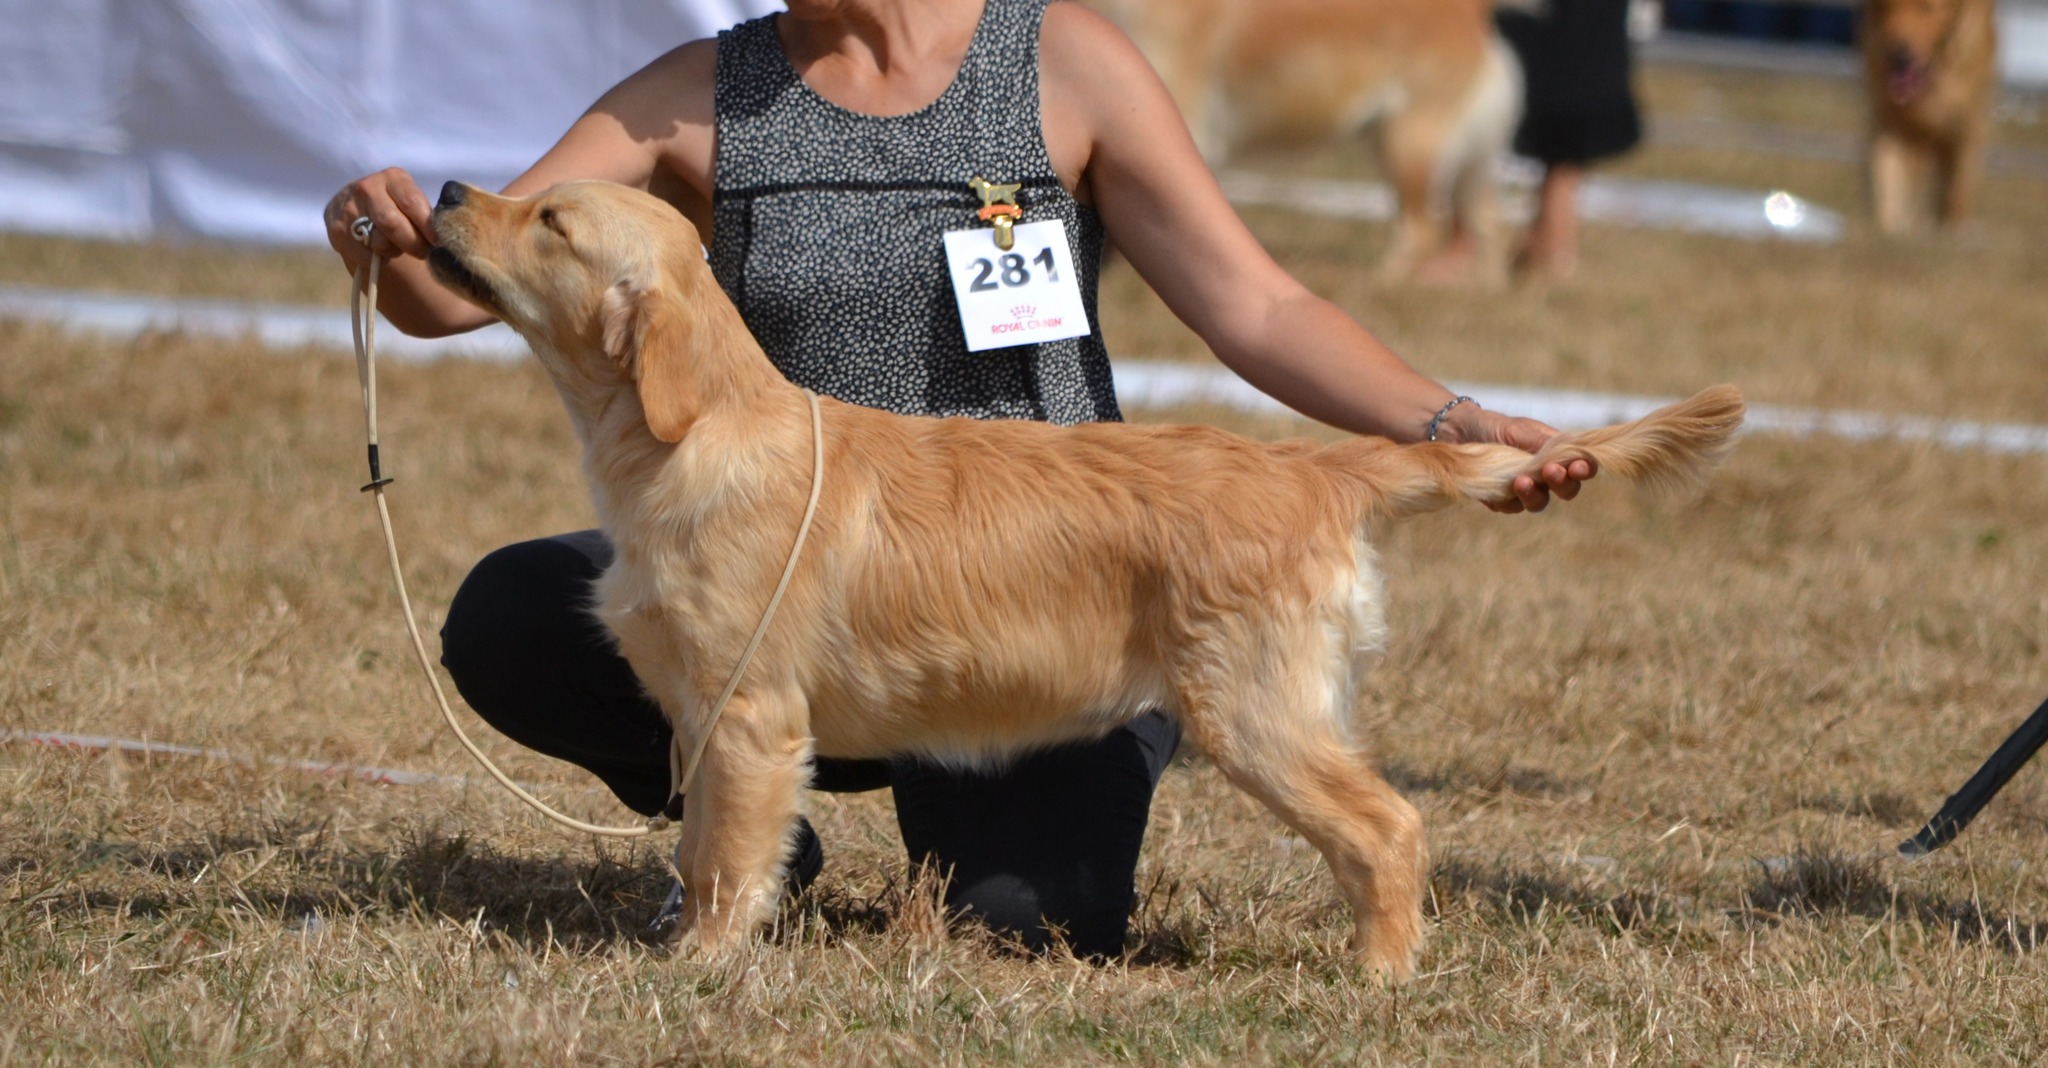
[{"x": 1551, "y": 250}]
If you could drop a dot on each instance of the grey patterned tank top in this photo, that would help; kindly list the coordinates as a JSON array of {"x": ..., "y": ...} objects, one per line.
[{"x": 827, "y": 224}]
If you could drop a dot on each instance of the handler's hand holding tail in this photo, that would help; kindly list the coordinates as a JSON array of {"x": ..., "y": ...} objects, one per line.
[
  {"x": 1672, "y": 447},
  {"x": 1531, "y": 492}
]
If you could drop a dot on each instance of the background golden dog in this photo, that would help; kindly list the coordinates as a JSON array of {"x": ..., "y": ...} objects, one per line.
[
  {"x": 1442, "y": 88},
  {"x": 1930, "y": 68}
]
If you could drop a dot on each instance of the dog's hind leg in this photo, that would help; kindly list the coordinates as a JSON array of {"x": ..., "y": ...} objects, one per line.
[
  {"x": 738, "y": 820},
  {"x": 1413, "y": 147},
  {"x": 1284, "y": 744},
  {"x": 1475, "y": 202},
  {"x": 1485, "y": 133}
]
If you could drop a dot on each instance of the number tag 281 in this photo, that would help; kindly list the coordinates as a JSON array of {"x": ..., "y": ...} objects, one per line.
[{"x": 1021, "y": 296}]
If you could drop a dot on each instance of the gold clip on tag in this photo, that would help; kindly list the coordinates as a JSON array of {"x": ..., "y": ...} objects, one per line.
[
  {"x": 998, "y": 205},
  {"x": 1004, "y": 237}
]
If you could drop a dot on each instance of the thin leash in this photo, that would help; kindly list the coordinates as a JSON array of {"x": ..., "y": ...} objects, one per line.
[{"x": 682, "y": 771}]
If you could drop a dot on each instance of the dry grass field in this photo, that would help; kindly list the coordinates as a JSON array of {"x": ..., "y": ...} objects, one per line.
[{"x": 1657, "y": 741}]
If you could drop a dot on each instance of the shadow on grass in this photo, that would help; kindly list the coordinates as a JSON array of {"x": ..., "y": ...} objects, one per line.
[
  {"x": 576, "y": 903},
  {"x": 1490, "y": 780},
  {"x": 1808, "y": 884},
  {"x": 1884, "y": 806},
  {"x": 1816, "y": 882},
  {"x": 1173, "y": 924},
  {"x": 1180, "y": 924},
  {"x": 1527, "y": 893},
  {"x": 607, "y": 898},
  {"x": 603, "y": 900}
]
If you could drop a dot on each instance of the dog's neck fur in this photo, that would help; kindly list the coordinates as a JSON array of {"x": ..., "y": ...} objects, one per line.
[{"x": 742, "y": 430}]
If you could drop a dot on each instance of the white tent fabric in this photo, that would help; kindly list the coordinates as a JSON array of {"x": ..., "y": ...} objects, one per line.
[
  {"x": 237, "y": 119},
  {"x": 2023, "y": 43}
]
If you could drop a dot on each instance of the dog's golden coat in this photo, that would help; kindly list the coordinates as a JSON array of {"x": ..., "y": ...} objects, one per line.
[
  {"x": 970, "y": 587},
  {"x": 1930, "y": 69}
]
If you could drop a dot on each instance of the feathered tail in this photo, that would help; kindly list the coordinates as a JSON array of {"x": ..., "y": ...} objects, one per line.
[{"x": 1674, "y": 446}]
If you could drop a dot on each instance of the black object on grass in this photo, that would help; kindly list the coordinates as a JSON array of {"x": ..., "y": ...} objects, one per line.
[{"x": 1962, "y": 807}]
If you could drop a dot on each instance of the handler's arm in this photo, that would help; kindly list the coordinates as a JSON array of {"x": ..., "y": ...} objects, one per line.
[
  {"x": 1168, "y": 216},
  {"x": 657, "y": 116}
]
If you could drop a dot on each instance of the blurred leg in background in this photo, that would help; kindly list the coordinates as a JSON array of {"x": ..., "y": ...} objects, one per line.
[{"x": 1552, "y": 246}]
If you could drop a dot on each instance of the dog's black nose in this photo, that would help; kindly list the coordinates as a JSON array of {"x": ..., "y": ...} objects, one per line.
[
  {"x": 452, "y": 195},
  {"x": 1901, "y": 58}
]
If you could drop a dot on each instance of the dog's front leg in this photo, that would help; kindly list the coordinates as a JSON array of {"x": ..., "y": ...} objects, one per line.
[
  {"x": 1892, "y": 174},
  {"x": 1961, "y": 166},
  {"x": 738, "y": 819}
]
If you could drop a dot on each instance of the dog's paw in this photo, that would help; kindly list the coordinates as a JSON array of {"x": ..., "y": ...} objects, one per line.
[
  {"x": 1389, "y": 956},
  {"x": 1388, "y": 969}
]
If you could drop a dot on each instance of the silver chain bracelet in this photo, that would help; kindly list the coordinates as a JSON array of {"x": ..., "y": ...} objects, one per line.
[{"x": 1436, "y": 422}]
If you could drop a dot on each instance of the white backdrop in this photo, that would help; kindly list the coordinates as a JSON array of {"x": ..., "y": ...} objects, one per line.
[{"x": 237, "y": 119}]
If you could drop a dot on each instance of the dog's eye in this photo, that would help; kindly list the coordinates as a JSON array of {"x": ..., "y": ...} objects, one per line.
[{"x": 547, "y": 219}]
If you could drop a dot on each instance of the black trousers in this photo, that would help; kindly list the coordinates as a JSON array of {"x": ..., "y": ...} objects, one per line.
[{"x": 1048, "y": 843}]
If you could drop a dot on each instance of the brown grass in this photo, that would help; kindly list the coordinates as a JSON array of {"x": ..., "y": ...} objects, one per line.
[{"x": 1656, "y": 741}]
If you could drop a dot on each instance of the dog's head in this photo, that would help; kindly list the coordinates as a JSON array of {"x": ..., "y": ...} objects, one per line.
[
  {"x": 608, "y": 281},
  {"x": 1904, "y": 37}
]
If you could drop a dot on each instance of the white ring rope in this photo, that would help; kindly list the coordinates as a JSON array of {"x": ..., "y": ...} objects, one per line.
[{"x": 362, "y": 320}]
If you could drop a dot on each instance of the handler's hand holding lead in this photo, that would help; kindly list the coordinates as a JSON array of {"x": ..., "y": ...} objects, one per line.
[{"x": 401, "y": 218}]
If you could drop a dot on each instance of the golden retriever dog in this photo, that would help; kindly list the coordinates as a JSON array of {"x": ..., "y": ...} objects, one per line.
[
  {"x": 1442, "y": 88},
  {"x": 1930, "y": 68},
  {"x": 970, "y": 588}
]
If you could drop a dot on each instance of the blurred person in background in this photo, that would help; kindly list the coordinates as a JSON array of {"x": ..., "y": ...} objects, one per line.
[
  {"x": 823, "y": 153},
  {"x": 1579, "y": 108}
]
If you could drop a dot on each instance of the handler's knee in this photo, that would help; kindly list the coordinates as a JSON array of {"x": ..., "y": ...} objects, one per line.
[{"x": 519, "y": 612}]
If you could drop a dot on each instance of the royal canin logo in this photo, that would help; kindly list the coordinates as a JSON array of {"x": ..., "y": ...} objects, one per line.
[{"x": 1026, "y": 319}]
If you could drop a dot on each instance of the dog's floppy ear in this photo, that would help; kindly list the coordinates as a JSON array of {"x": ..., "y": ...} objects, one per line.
[{"x": 644, "y": 331}]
